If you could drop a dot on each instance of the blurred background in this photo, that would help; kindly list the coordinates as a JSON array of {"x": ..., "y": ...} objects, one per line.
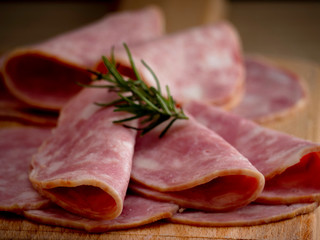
[{"x": 286, "y": 29}]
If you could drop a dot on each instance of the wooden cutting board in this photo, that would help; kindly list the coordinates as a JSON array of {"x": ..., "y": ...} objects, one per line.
[{"x": 303, "y": 123}]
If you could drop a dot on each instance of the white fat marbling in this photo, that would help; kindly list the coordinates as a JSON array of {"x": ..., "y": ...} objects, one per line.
[
  {"x": 193, "y": 91},
  {"x": 222, "y": 59},
  {"x": 54, "y": 167},
  {"x": 146, "y": 163}
]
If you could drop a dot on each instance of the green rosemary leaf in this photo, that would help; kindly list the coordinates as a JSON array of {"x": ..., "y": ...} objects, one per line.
[
  {"x": 154, "y": 124},
  {"x": 153, "y": 75},
  {"x": 163, "y": 103},
  {"x": 133, "y": 66},
  {"x": 170, "y": 99},
  {"x": 129, "y": 109},
  {"x": 167, "y": 127},
  {"x": 115, "y": 102},
  {"x": 97, "y": 74},
  {"x": 113, "y": 60},
  {"x": 128, "y": 119},
  {"x": 113, "y": 71},
  {"x": 135, "y": 97},
  {"x": 143, "y": 98},
  {"x": 128, "y": 99}
]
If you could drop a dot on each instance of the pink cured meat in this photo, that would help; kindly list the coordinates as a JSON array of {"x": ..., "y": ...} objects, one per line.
[
  {"x": 289, "y": 164},
  {"x": 13, "y": 109},
  {"x": 271, "y": 92},
  {"x": 7, "y": 100},
  {"x": 85, "y": 165},
  {"x": 36, "y": 74},
  {"x": 194, "y": 167},
  {"x": 252, "y": 214},
  {"x": 199, "y": 63},
  {"x": 17, "y": 145},
  {"x": 137, "y": 211}
]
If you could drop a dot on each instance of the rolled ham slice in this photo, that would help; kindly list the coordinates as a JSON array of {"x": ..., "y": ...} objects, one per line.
[
  {"x": 194, "y": 167},
  {"x": 137, "y": 211},
  {"x": 17, "y": 145},
  {"x": 289, "y": 164},
  {"x": 203, "y": 63},
  {"x": 12, "y": 109},
  {"x": 271, "y": 92},
  {"x": 252, "y": 214},
  {"x": 85, "y": 165},
  {"x": 44, "y": 74}
]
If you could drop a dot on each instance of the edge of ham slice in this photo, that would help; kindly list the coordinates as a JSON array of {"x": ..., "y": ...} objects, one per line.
[
  {"x": 272, "y": 92},
  {"x": 85, "y": 165},
  {"x": 44, "y": 75},
  {"x": 17, "y": 145},
  {"x": 252, "y": 214},
  {"x": 203, "y": 63},
  {"x": 289, "y": 164},
  {"x": 12, "y": 109},
  {"x": 196, "y": 165},
  {"x": 137, "y": 211}
]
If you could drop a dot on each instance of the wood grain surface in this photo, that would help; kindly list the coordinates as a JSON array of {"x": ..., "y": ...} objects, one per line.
[{"x": 303, "y": 123}]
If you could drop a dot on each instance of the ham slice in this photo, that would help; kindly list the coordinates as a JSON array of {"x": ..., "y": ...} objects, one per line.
[
  {"x": 271, "y": 92},
  {"x": 194, "y": 167},
  {"x": 44, "y": 75},
  {"x": 137, "y": 211},
  {"x": 85, "y": 165},
  {"x": 12, "y": 109},
  {"x": 199, "y": 63},
  {"x": 289, "y": 164},
  {"x": 17, "y": 145},
  {"x": 252, "y": 214}
]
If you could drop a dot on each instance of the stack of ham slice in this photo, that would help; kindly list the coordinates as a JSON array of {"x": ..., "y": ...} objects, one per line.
[
  {"x": 214, "y": 169},
  {"x": 44, "y": 75},
  {"x": 195, "y": 168},
  {"x": 17, "y": 195},
  {"x": 289, "y": 164},
  {"x": 56, "y": 65},
  {"x": 12, "y": 108}
]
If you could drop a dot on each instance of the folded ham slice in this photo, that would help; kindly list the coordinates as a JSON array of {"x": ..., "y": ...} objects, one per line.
[
  {"x": 137, "y": 211},
  {"x": 12, "y": 109},
  {"x": 252, "y": 214},
  {"x": 194, "y": 167},
  {"x": 289, "y": 164},
  {"x": 17, "y": 145},
  {"x": 44, "y": 74},
  {"x": 199, "y": 63},
  {"x": 271, "y": 92},
  {"x": 85, "y": 165}
]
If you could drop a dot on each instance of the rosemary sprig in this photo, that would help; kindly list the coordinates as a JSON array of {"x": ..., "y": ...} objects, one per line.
[{"x": 135, "y": 97}]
